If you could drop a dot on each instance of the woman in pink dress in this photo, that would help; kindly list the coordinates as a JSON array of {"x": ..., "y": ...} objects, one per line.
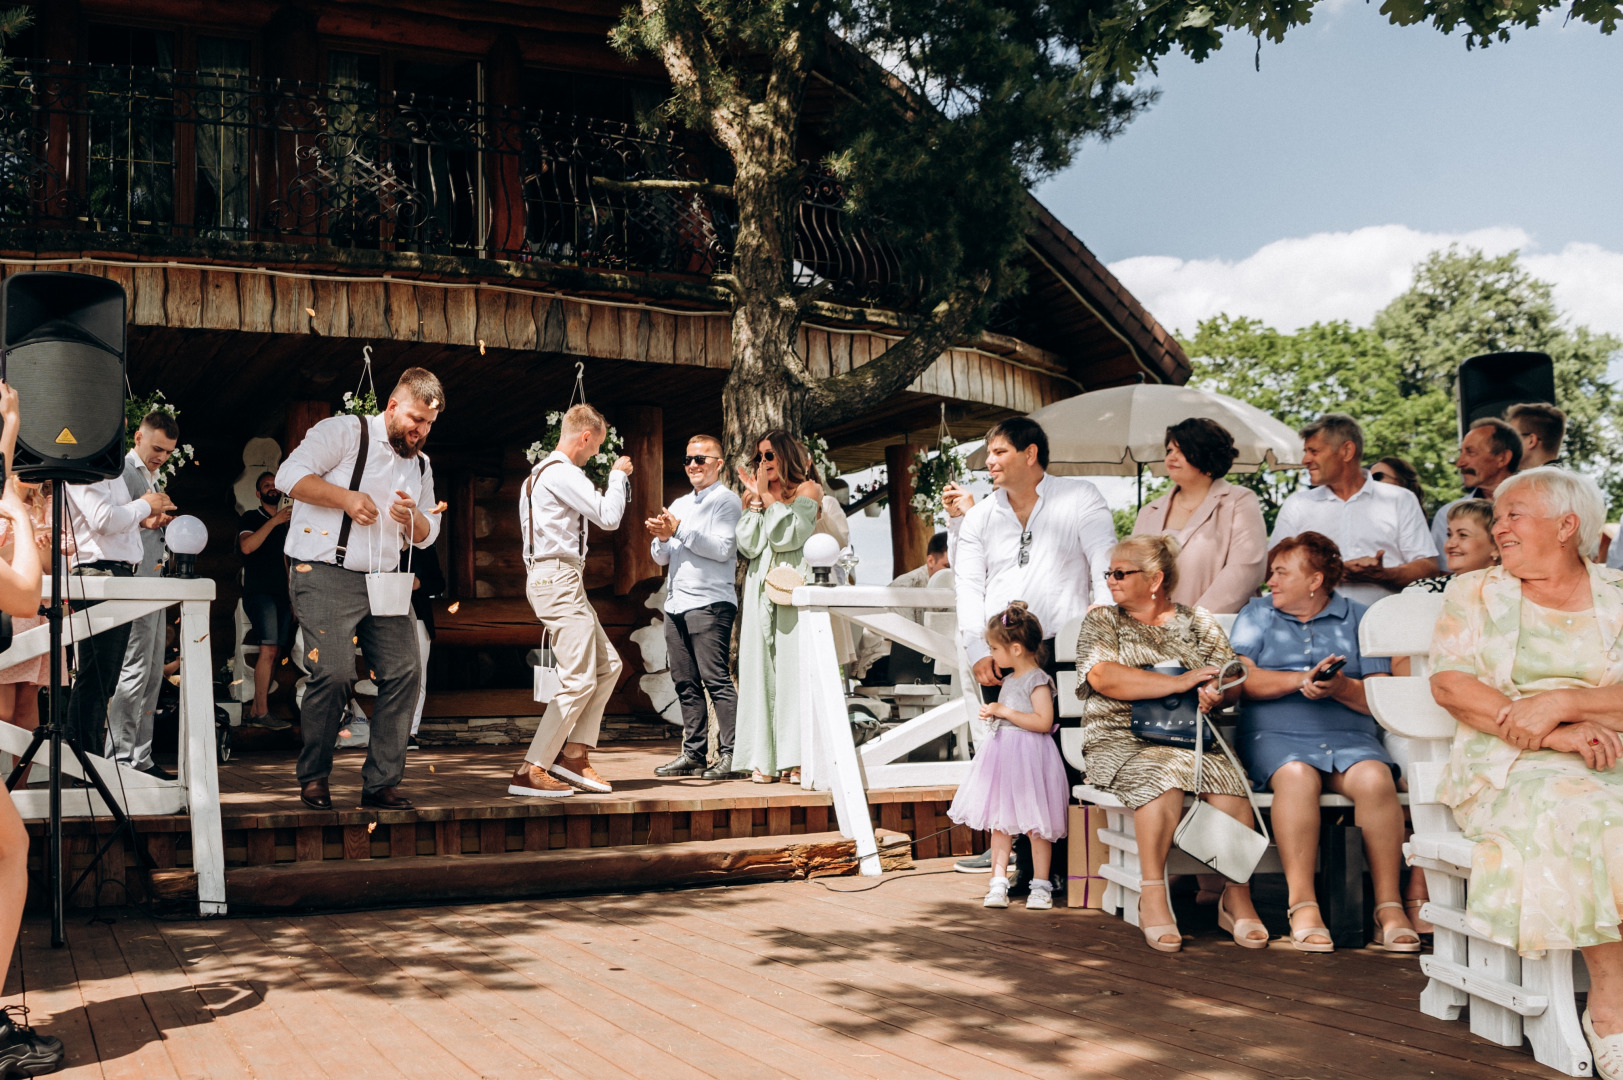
[{"x": 20, "y": 684}]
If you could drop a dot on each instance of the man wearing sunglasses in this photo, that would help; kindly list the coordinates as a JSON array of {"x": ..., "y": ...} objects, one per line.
[
  {"x": 697, "y": 537},
  {"x": 1039, "y": 538}
]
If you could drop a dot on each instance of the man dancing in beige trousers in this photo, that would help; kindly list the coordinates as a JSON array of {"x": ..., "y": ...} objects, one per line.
[{"x": 554, "y": 506}]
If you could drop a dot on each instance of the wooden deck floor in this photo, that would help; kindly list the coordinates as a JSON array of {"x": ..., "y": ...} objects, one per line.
[{"x": 910, "y": 980}]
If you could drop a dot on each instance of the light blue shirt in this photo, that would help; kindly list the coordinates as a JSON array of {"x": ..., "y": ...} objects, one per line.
[{"x": 703, "y": 553}]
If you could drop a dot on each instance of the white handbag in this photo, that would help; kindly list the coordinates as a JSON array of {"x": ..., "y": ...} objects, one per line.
[
  {"x": 547, "y": 683},
  {"x": 1211, "y": 837}
]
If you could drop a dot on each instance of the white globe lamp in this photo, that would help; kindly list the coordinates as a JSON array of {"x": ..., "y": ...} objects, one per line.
[
  {"x": 186, "y": 538},
  {"x": 822, "y": 551}
]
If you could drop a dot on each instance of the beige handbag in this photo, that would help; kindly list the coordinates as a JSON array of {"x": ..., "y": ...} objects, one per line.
[
  {"x": 781, "y": 583},
  {"x": 1211, "y": 837}
]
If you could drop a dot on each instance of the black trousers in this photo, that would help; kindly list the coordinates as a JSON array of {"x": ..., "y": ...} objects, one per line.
[
  {"x": 697, "y": 641},
  {"x": 99, "y": 660}
]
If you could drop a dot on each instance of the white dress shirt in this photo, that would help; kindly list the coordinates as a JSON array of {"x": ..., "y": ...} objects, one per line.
[
  {"x": 563, "y": 501},
  {"x": 703, "y": 552},
  {"x": 1072, "y": 534},
  {"x": 105, "y": 523},
  {"x": 329, "y": 451},
  {"x": 1378, "y": 517}
]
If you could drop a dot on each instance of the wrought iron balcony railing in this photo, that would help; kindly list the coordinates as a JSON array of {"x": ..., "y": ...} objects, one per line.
[{"x": 146, "y": 151}]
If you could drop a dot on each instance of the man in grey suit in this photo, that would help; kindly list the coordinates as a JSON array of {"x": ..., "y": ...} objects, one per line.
[{"x": 135, "y": 698}]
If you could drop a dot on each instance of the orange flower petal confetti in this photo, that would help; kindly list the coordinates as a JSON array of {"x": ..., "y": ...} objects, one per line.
[
  {"x": 371, "y": 825},
  {"x": 284, "y": 660},
  {"x": 314, "y": 656},
  {"x": 481, "y": 346},
  {"x": 439, "y": 507},
  {"x": 454, "y": 608},
  {"x": 310, "y": 311},
  {"x": 431, "y": 768},
  {"x": 303, "y": 567}
]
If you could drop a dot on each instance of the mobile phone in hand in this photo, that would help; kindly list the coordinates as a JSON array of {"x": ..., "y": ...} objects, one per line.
[{"x": 1327, "y": 673}]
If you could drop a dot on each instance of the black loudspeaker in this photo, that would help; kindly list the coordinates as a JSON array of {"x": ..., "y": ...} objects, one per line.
[
  {"x": 1492, "y": 383},
  {"x": 63, "y": 341}
]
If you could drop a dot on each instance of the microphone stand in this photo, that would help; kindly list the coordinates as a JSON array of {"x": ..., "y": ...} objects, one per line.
[{"x": 51, "y": 730}]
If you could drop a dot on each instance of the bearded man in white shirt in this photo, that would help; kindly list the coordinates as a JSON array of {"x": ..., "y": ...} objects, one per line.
[
  {"x": 1380, "y": 528},
  {"x": 346, "y": 468},
  {"x": 554, "y": 507}
]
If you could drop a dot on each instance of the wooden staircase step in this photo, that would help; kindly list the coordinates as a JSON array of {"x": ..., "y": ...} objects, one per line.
[{"x": 433, "y": 879}]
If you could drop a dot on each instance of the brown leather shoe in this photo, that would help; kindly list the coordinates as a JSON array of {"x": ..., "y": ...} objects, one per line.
[
  {"x": 536, "y": 782},
  {"x": 388, "y": 798},
  {"x": 580, "y": 773},
  {"x": 316, "y": 796}
]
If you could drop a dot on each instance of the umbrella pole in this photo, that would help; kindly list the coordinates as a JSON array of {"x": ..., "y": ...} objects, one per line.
[{"x": 1140, "y": 485}]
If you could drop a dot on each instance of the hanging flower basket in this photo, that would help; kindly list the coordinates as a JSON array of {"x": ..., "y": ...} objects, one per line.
[
  {"x": 136, "y": 410},
  {"x": 597, "y": 469},
  {"x": 931, "y": 473}
]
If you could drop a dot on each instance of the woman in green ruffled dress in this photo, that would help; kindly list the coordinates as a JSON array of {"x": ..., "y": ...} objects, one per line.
[{"x": 781, "y": 501}]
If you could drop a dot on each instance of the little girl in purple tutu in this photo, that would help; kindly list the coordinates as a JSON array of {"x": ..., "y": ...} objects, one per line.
[{"x": 1016, "y": 783}]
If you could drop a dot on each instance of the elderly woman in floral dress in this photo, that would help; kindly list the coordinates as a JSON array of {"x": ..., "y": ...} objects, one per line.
[{"x": 1528, "y": 657}]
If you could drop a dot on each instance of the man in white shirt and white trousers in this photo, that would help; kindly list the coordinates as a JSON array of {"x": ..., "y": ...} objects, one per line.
[
  {"x": 132, "y": 710},
  {"x": 554, "y": 507},
  {"x": 105, "y": 526},
  {"x": 337, "y": 535},
  {"x": 1042, "y": 539},
  {"x": 1382, "y": 532}
]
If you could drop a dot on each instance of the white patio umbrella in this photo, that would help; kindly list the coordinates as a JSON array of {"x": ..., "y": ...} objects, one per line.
[{"x": 1120, "y": 431}]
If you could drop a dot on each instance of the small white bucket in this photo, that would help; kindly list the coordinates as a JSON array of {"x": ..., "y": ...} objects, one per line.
[
  {"x": 547, "y": 682},
  {"x": 389, "y": 593}
]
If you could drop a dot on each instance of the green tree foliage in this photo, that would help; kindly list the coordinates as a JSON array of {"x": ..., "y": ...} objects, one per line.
[
  {"x": 939, "y": 115},
  {"x": 1396, "y": 377}
]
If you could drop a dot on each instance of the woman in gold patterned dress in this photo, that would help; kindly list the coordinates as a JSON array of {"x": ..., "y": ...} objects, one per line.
[
  {"x": 1145, "y": 629},
  {"x": 1528, "y": 657}
]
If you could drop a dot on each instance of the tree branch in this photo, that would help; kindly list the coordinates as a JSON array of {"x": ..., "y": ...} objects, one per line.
[
  {"x": 843, "y": 397},
  {"x": 723, "y": 190}
]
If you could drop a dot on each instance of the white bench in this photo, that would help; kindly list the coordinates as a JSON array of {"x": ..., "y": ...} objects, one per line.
[
  {"x": 1509, "y": 996},
  {"x": 1340, "y": 859}
]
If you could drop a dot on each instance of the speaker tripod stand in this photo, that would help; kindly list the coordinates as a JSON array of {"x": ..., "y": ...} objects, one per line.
[{"x": 50, "y": 731}]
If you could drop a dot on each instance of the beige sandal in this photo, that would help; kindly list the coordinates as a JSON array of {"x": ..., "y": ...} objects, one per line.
[
  {"x": 1299, "y": 938},
  {"x": 1241, "y": 929},
  {"x": 1386, "y": 936},
  {"x": 1154, "y": 934},
  {"x": 1414, "y": 919}
]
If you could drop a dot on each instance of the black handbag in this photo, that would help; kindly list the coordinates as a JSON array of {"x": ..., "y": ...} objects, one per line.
[{"x": 1173, "y": 720}]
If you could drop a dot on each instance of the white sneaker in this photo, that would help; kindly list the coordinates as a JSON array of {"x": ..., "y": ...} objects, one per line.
[
  {"x": 998, "y": 895},
  {"x": 1039, "y": 899}
]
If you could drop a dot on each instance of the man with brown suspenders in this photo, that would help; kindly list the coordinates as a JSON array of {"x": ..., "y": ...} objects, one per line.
[
  {"x": 339, "y": 477},
  {"x": 556, "y": 503}
]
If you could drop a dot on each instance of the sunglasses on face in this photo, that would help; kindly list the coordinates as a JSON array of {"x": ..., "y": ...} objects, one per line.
[
  {"x": 768, "y": 456},
  {"x": 1121, "y": 575},
  {"x": 1381, "y": 477},
  {"x": 697, "y": 459}
]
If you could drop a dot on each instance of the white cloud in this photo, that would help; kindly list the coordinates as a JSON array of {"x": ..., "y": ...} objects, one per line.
[{"x": 1352, "y": 275}]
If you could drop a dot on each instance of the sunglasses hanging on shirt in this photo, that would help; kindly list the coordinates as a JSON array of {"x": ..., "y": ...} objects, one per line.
[{"x": 1025, "y": 547}]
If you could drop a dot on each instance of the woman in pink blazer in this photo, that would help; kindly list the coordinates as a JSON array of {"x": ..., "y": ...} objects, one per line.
[{"x": 1225, "y": 543}]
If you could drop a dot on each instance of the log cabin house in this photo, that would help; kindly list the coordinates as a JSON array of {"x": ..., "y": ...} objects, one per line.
[{"x": 277, "y": 185}]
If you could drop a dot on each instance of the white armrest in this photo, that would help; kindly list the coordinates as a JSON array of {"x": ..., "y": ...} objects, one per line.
[
  {"x": 1404, "y": 705},
  {"x": 1066, "y": 701},
  {"x": 1400, "y": 624},
  {"x": 1070, "y": 747},
  {"x": 1065, "y": 642}
]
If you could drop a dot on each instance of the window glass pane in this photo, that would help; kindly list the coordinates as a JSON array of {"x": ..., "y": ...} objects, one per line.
[{"x": 224, "y": 113}]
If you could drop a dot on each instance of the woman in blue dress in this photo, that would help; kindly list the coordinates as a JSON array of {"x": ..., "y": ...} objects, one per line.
[{"x": 1301, "y": 735}]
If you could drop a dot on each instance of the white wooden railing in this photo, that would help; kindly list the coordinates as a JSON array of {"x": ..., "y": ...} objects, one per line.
[
  {"x": 196, "y": 788},
  {"x": 830, "y": 760}
]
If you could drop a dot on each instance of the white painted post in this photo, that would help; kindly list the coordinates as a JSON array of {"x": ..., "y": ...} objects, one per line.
[
  {"x": 198, "y": 770},
  {"x": 819, "y": 670}
]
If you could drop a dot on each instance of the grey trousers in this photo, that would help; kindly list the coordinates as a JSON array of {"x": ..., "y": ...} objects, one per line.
[
  {"x": 330, "y": 604},
  {"x": 135, "y": 698},
  {"x": 697, "y": 642}
]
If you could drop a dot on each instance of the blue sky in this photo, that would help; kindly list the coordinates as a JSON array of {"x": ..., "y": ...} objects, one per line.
[{"x": 1358, "y": 147}]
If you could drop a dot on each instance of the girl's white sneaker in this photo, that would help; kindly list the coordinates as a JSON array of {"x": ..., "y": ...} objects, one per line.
[
  {"x": 997, "y": 896},
  {"x": 1039, "y": 899}
]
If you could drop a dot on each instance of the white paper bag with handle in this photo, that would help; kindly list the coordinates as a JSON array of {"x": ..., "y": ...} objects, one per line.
[
  {"x": 388, "y": 592},
  {"x": 547, "y": 683}
]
